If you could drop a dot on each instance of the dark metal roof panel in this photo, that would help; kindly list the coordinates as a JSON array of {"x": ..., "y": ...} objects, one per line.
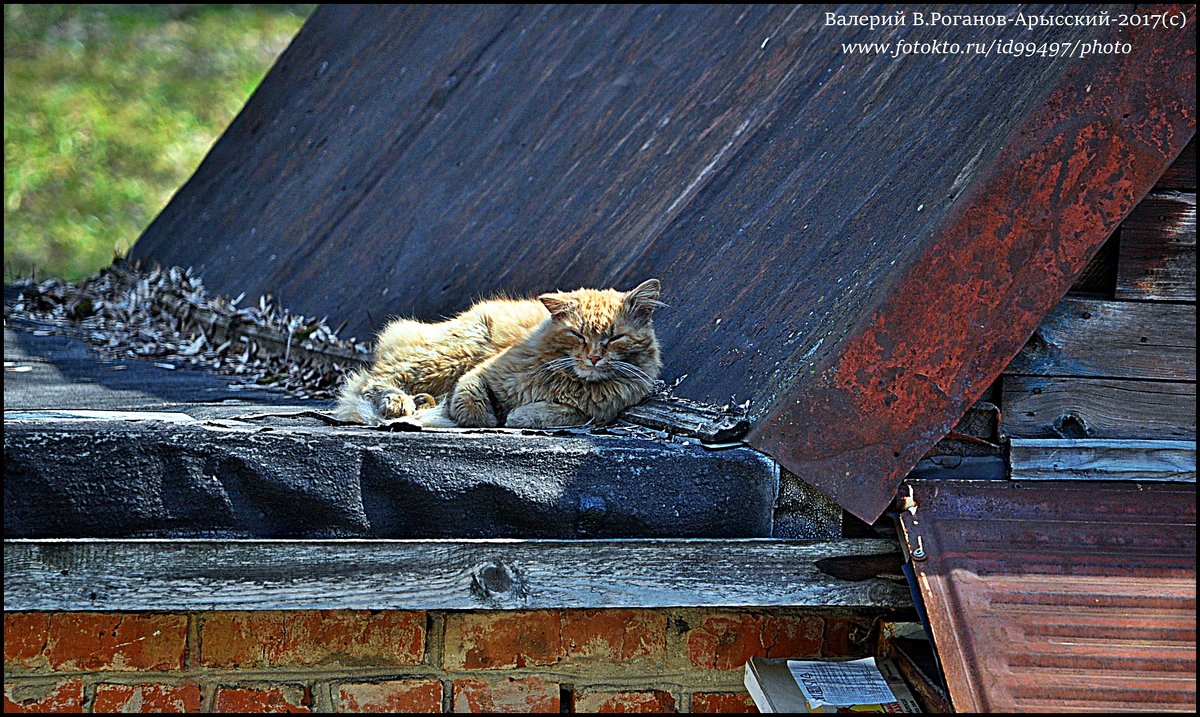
[
  {"x": 1067, "y": 596},
  {"x": 856, "y": 242}
]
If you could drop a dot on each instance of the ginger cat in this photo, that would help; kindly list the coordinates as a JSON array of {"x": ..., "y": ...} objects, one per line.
[{"x": 561, "y": 360}]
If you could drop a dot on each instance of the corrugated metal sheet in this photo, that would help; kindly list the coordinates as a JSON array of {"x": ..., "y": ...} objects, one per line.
[
  {"x": 858, "y": 243},
  {"x": 1059, "y": 596}
]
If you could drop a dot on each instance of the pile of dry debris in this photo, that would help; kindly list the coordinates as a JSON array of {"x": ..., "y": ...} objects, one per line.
[{"x": 167, "y": 316}]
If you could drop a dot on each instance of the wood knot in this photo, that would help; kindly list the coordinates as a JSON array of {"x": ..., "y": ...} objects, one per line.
[
  {"x": 495, "y": 582},
  {"x": 1071, "y": 425}
]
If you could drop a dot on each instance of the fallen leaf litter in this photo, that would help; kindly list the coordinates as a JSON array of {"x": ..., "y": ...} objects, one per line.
[{"x": 167, "y": 316}]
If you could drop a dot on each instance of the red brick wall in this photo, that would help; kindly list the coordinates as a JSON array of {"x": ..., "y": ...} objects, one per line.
[{"x": 671, "y": 660}]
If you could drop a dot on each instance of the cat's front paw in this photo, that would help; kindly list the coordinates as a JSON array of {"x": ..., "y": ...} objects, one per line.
[
  {"x": 390, "y": 402},
  {"x": 542, "y": 415},
  {"x": 471, "y": 413},
  {"x": 525, "y": 417}
]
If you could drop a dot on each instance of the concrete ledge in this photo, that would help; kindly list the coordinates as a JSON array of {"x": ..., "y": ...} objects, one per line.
[{"x": 74, "y": 476}]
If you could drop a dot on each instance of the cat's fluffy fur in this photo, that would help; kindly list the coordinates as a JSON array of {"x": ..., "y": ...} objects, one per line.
[{"x": 561, "y": 360}]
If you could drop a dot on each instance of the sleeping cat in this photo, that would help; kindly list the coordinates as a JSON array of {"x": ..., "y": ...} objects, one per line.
[{"x": 563, "y": 359}]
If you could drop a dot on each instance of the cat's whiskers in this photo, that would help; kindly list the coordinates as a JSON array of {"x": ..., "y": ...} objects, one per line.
[
  {"x": 556, "y": 365},
  {"x": 632, "y": 371}
]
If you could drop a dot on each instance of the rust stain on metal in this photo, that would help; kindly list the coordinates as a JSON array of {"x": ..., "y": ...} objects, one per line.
[
  {"x": 986, "y": 278},
  {"x": 1060, "y": 596},
  {"x": 855, "y": 243}
]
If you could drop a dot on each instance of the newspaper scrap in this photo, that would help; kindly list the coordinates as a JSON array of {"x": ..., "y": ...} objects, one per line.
[{"x": 840, "y": 684}]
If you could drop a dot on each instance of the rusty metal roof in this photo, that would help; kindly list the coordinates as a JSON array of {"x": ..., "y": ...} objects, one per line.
[
  {"x": 1059, "y": 596},
  {"x": 857, "y": 243}
]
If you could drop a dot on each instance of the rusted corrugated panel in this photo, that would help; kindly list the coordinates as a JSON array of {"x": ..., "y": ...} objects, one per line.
[
  {"x": 1059, "y": 596},
  {"x": 857, "y": 243}
]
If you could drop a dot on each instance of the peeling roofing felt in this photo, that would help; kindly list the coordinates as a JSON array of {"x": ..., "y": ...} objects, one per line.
[
  {"x": 176, "y": 453},
  {"x": 1065, "y": 596},
  {"x": 856, "y": 243}
]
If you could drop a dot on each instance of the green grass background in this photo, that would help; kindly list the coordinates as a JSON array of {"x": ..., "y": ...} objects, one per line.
[{"x": 109, "y": 109}]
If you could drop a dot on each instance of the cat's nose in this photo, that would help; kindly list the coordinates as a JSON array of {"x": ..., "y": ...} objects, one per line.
[{"x": 594, "y": 359}]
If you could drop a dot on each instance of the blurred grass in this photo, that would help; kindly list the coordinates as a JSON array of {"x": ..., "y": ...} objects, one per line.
[{"x": 108, "y": 109}]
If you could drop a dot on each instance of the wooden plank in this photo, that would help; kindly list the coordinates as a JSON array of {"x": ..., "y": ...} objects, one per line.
[
  {"x": 1116, "y": 339},
  {"x": 435, "y": 574},
  {"x": 1099, "y": 459},
  {"x": 1051, "y": 407},
  {"x": 688, "y": 418},
  {"x": 1158, "y": 249},
  {"x": 1181, "y": 174}
]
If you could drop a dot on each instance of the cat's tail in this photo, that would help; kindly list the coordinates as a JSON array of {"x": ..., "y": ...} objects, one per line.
[{"x": 352, "y": 405}]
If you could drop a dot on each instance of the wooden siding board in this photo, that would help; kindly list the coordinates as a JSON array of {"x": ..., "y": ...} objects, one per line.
[
  {"x": 1050, "y": 407},
  {"x": 1137, "y": 340},
  {"x": 436, "y": 575},
  {"x": 1097, "y": 459},
  {"x": 1158, "y": 249}
]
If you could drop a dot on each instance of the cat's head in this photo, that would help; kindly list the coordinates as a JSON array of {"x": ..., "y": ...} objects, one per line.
[{"x": 601, "y": 335}]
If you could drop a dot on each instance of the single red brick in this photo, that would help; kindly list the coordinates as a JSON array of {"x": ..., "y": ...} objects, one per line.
[
  {"x": 792, "y": 636},
  {"x": 288, "y": 698},
  {"x": 146, "y": 698},
  {"x": 116, "y": 641},
  {"x": 276, "y": 638},
  {"x": 722, "y": 702},
  {"x": 726, "y": 641},
  {"x": 396, "y": 696},
  {"x": 25, "y": 635},
  {"x": 614, "y": 634},
  {"x": 530, "y": 694},
  {"x": 502, "y": 640},
  {"x": 846, "y": 637},
  {"x": 66, "y": 696},
  {"x": 611, "y": 702}
]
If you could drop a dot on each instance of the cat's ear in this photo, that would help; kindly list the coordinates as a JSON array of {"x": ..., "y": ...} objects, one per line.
[
  {"x": 641, "y": 302},
  {"x": 557, "y": 304}
]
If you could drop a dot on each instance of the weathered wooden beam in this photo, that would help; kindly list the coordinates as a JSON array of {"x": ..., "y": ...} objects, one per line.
[
  {"x": 1116, "y": 339},
  {"x": 435, "y": 574},
  {"x": 1158, "y": 249},
  {"x": 1051, "y": 407},
  {"x": 1099, "y": 459},
  {"x": 687, "y": 418}
]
